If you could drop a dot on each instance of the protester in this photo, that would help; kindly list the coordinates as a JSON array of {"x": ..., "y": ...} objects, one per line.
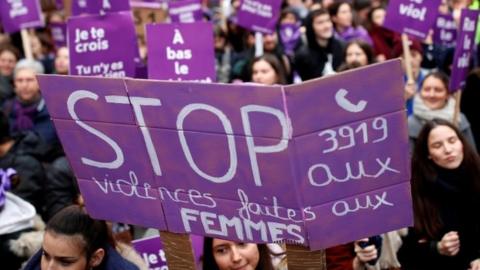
[
  {"x": 360, "y": 52},
  {"x": 62, "y": 61},
  {"x": 344, "y": 24},
  {"x": 73, "y": 240},
  {"x": 221, "y": 254},
  {"x": 446, "y": 193},
  {"x": 27, "y": 111},
  {"x": 323, "y": 53},
  {"x": 435, "y": 101},
  {"x": 267, "y": 70},
  {"x": 9, "y": 56},
  {"x": 383, "y": 39}
]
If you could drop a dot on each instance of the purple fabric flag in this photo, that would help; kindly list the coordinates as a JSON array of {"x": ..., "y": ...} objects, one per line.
[
  {"x": 185, "y": 11},
  {"x": 445, "y": 30},
  {"x": 104, "y": 45},
  {"x": 20, "y": 14},
  {"x": 176, "y": 52},
  {"x": 290, "y": 35},
  {"x": 281, "y": 163},
  {"x": 412, "y": 17},
  {"x": 59, "y": 34},
  {"x": 259, "y": 15},
  {"x": 95, "y": 6},
  {"x": 464, "y": 48}
]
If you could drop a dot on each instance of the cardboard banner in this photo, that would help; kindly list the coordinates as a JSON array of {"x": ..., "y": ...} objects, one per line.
[
  {"x": 102, "y": 45},
  {"x": 59, "y": 34},
  {"x": 412, "y": 17},
  {"x": 259, "y": 15},
  {"x": 83, "y": 7},
  {"x": 464, "y": 48},
  {"x": 20, "y": 14},
  {"x": 177, "y": 53},
  {"x": 185, "y": 11},
  {"x": 281, "y": 163},
  {"x": 445, "y": 30}
]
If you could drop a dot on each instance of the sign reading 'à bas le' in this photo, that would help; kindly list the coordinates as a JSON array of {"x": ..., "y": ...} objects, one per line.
[{"x": 320, "y": 163}]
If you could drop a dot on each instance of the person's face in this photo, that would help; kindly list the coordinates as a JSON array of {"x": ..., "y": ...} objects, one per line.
[
  {"x": 235, "y": 256},
  {"x": 323, "y": 26},
  {"x": 344, "y": 16},
  {"x": 269, "y": 42},
  {"x": 63, "y": 252},
  {"x": 289, "y": 18},
  {"x": 378, "y": 16},
  {"x": 416, "y": 62},
  {"x": 62, "y": 61},
  {"x": 355, "y": 54},
  {"x": 263, "y": 72},
  {"x": 26, "y": 85},
  {"x": 434, "y": 93},
  {"x": 7, "y": 63},
  {"x": 445, "y": 148}
]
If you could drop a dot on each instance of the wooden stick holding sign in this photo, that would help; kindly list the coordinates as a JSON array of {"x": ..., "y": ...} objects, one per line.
[
  {"x": 456, "y": 113},
  {"x": 178, "y": 250},
  {"x": 301, "y": 258},
  {"x": 258, "y": 44},
  {"x": 27, "y": 45},
  {"x": 407, "y": 58}
]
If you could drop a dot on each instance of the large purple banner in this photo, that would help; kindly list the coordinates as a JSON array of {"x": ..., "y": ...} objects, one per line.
[
  {"x": 20, "y": 14},
  {"x": 259, "y": 15},
  {"x": 412, "y": 17},
  {"x": 464, "y": 48},
  {"x": 185, "y": 11},
  {"x": 280, "y": 163},
  {"x": 94, "y": 7},
  {"x": 102, "y": 45},
  {"x": 177, "y": 53}
]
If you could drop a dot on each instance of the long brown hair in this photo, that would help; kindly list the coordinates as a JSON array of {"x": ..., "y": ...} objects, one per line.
[
  {"x": 264, "y": 263},
  {"x": 424, "y": 173}
]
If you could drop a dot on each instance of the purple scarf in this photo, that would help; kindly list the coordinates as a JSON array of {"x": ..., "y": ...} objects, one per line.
[
  {"x": 24, "y": 115},
  {"x": 5, "y": 184}
]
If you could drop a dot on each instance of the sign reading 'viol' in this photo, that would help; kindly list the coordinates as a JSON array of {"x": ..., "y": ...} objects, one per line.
[{"x": 244, "y": 162}]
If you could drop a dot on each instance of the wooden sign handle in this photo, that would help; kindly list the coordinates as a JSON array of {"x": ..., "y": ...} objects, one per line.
[
  {"x": 456, "y": 113},
  {"x": 178, "y": 250},
  {"x": 407, "y": 57},
  {"x": 301, "y": 258},
  {"x": 27, "y": 48}
]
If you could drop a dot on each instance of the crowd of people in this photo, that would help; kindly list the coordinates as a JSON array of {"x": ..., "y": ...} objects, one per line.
[{"x": 38, "y": 187}]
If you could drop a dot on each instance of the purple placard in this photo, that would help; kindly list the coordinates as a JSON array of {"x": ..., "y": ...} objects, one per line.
[
  {"x": 80, "y": 7},
  {"x": 152, "y": 253},
  {"x": 102, "y": 45},
  {"x": 176, "y": 52},
  {"x": 445, "y": 30},
  {"x": 259, "y": 15},
  {"x": 59, "y": 34},
  {"x": 412, "y": 17},
  {"x": 20, "y": 14},
  {"x": 185, "y": 11},
  {"x": 213, "y": 167},
  {"x": 464, "y": 49},
  {"x": 290, "y": 35}
]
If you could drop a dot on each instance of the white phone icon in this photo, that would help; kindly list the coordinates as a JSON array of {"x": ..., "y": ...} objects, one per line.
[{"x": 342, "y": 101}]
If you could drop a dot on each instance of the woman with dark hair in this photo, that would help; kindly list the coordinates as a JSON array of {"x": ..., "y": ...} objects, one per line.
[
  {"x": 221, "y": 254},
  {"x": 267, "y": 69},
  {"x": 344, "y": 23},
  {"x": 434, "y": 101},
  {"x": 446, "y": 197},
  {"x": 73, "y": 240}
]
